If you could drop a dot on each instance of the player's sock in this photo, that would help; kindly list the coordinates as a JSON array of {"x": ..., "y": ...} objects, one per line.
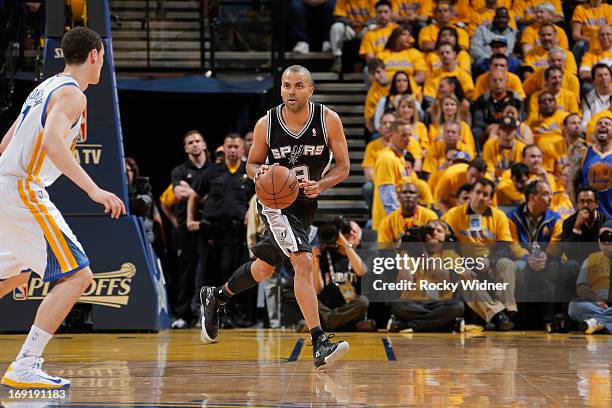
[
  {"x": 315, "y": 333},
  {"x": 240, "y": 281},
  {"x": 35, "y": 343}
]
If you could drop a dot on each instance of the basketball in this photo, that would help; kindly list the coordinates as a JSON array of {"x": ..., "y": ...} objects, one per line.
[{"x": 277, "y": 188}]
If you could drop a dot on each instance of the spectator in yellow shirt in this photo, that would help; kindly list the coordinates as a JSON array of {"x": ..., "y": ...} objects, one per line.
[
  {"x": 538, "y": 56},
  {"x": 350, "y": 22},
  {"x": 449, "y": 111},
  {"x": 399, "y": 55},
  {"x": 548, "y": 123},
  {"x": 503, "y": 150},
  {"x": 533, "y": 159},
  {"x": 425, "y": 196},
  {"x": 408, "y": 110},
  {"x": 375, "y": 39},
  {"x": 601, "y": 55},
  {"x": 442, "y": 151},
  {"x": 587, "y": 19},
  {"x": 544, "y": 14},
  {"x": 463, "y": 193},
  {"x": 485, "y": 15},
  {"x": 478, "y": 225},
  {"x": 454, "y": 177},
  {"x": 389, "y": 171},
  {"x": 561, "y": 202},
  {"x": 510, "y": 191},
  {"x": 408, "y": 215},
  {"x": 401, "y": 84},
  {"x": 412, "y": 12},
  {"x": 449, "y": 35},
  {"x": 448, "y": 85},
  {"x": 513, "y": 82},
  {"x": 556, "y": 58},
  {"x": 443, "y": 18},
  {"x": 379, "y": 89},
  {"x": 565, "y": 100},
  {"x": 372, "y": 151},
  {"x": 525, "y": 10},
  {"x": 449, "y": 68}
]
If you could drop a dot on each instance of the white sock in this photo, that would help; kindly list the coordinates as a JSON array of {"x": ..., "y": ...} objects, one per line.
[{"x": 35, "y": 343}]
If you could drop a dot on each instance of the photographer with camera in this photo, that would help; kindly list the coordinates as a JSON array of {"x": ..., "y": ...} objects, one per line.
[
  {"x": 337, "y": 268},
  {"x": 394, "y": 226},
  {"x": 428, "y": 310}
]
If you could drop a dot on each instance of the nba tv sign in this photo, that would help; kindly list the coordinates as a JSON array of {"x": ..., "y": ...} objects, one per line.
[{"x": 110, "y": 289}]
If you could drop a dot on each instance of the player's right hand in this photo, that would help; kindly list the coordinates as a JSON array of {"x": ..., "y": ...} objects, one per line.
[
  {"x": 112, "y": 204},
  {"x": 262, "y": 169},
  {"x": 193, "y": 225}
]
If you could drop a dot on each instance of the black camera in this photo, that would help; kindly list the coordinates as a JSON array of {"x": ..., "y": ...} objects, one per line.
[
  {"x": 416, "y": 234},
  {"x": 141, "y": 199},
  {"x": 328, "y": 233}
]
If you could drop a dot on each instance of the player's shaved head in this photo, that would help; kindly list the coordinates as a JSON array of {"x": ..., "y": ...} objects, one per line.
[{"x": 298, "y": 69}]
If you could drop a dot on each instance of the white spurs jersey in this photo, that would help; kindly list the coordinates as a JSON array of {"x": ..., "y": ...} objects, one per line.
[{"x": 24, "y": 157}]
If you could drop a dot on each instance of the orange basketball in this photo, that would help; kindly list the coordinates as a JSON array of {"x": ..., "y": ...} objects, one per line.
[
  {"x": 600, "y": 176},
  {"x": 277, "y": 188}
]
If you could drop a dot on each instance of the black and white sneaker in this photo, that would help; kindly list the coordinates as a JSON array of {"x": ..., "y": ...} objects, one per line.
[
  {"x": 326, "y": 352},
  {"x": 209, "y": 312}
]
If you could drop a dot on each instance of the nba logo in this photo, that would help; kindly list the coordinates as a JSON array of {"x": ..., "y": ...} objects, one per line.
[
  {"x": 314, "y": 132},
  {"x": 21, "y": 292}
]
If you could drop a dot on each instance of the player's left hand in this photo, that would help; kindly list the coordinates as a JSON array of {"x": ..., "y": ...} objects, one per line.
[{"x": 311, "y": 188}]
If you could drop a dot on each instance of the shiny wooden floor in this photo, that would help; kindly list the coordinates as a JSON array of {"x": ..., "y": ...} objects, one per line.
[{"x": 274, "y": 368}]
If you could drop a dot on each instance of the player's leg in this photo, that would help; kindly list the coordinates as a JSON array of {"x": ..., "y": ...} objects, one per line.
[{"x": 8, "y": 285}]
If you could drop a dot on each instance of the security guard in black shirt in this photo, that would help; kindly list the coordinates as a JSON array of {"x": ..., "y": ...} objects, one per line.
[
  {"x": 186, "y": 175},
  {"x": 227, "y": 191}
]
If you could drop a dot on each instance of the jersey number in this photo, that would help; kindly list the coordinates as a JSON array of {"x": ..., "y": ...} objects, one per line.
[{"x": 302, "y": 173}]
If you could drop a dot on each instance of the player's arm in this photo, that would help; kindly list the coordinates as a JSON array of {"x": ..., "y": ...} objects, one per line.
[
  {"x": 65, "y": 107},
  {"x": 338, "y": 146},
  {"x": 259, "y": 150},
  {"x": 8, "y": 136}
]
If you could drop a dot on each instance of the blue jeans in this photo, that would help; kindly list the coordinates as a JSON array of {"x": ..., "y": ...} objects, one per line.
[
  {"x": 580, "y": 310},
  {"x": 320, "y": 16}
]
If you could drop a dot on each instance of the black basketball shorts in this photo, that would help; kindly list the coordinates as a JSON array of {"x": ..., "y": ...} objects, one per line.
[{"x": 286, "y": 232}]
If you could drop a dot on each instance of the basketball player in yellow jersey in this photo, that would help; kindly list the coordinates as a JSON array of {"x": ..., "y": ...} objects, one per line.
[{"x": 34, "y": 236}]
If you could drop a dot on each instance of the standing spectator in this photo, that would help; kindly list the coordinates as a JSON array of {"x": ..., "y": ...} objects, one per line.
[
  {"x": 586, "y": 22},
  {"x": 479, "y": 225},
  {"x": 480, "y": 48},
  {"x": 582, "y": 229},
  {"x": 350, "y": 22},
  {"x": 592, "y": 309},
  {"x": 601, "y": 55},
  {"x": 319, "y": 12},
  {"x": 375, "y": 39},
  {"x": 221, "y": 229},
  {"x": 545, "y": 14},
  {"x": 600, "y": 98},
  {"x": 184, "y": 177}
]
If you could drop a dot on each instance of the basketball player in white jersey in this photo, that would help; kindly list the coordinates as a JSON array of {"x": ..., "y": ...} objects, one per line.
[{"x": 33, "y": 234}]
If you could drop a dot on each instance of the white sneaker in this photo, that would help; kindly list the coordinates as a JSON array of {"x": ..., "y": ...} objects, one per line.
[
  {"x": 27, "y": 373},
  {"x": 590, "y": 326},
  {"x": 326, "y": 46},
  {"x": 302, "y": 47}
]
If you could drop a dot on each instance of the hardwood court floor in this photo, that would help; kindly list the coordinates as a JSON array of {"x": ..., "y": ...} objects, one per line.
[{"x": 268, "y": 368}]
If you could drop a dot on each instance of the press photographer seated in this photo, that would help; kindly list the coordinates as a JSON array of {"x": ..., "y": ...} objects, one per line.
[
  {"x": 394, "y": 226},
  {"x": 428, "y": 310},
  {"x": 337, "y": 267}
]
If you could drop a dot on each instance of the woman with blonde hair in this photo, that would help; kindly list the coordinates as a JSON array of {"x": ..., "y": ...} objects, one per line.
[
  {"x": 408, "y": 109},
  {"x": 449, "y": 110}
]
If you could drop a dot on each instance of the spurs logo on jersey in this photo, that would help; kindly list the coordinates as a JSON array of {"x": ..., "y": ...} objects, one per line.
[{"x": 305, "y": 152}]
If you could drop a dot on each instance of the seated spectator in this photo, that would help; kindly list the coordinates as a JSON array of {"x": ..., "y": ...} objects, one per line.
[
  {"x": 318, "y": 14},
  {"x": 499, "y": 45},
  {"x": 601, "y": 55},
  {"x": 449, "y": 110},
  {"x": 400, "y": 56},
  {"x": 592, "y": 308},
  {"x": 443, "y": 18},
  {"x": 336, "y": 269},
  {"x": 400, "y": 85},
  {"x": 556, "y": 58},
  {"x": 379, "y": 88},
  {"x": 414, "y": 13},
  {"x": 463, "y": 193},
  {"x": 538, "y": 56},
  {"x": 417, "y": 310},
  {"x": 586, "y": 22},
  {"x": 597, "y": 165},
  {"x": 536, "y": 232},
  {"x": 454, "y": 177},
  {"x": 409, "y": 214},
  {"x": 581, "y": 229},
  {"x": 565, "y": 100},
  {"x": 561, "y": 202},
  {"x": 350, "y": 21},
  {"x": 486, "y": 14},
  {"x": 526, "y": 11},
  {"x": 488, "y": 109},
  {"x": 548, "y": 126},
  {"x": 479, "y": 47},
  {"x": 449, "y": 35},
  {"x": 425, "y": 196},
  {"x": 523, "y": 132},
  {"x": 389, "y": 172},
  {"x": 533, "y": 158},
  {"x": 545, "y": 13},
  {"x": 503, "y": 150},
  {"x": 600, "y": 98},
  {"x": 447, "y": 85},
  {"x": 443, "y": 151},
  {"x": 371, "y": 154},
  {"x": 449, "y": 67},
  {"x": 513, "y": 82},
  {"x": 510, "y": 191},
  {"x": 483, "y": 231},
  {"x": 375, "y": 39},
  {"x": 408, "y": 110}
]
